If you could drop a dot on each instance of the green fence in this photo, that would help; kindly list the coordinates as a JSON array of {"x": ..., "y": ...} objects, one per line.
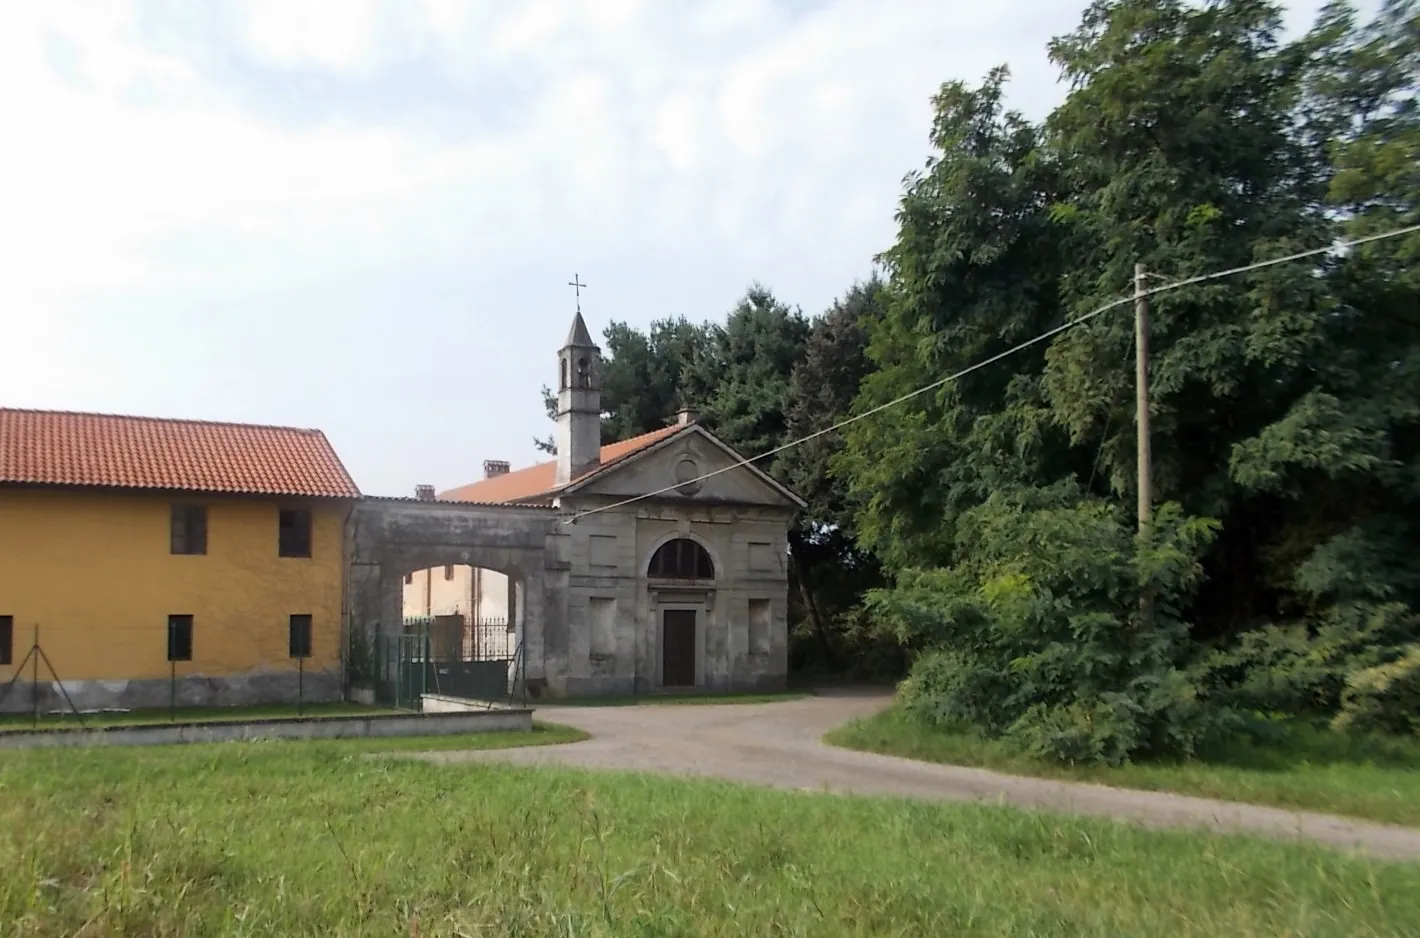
[{"x": 432, "y": 656}]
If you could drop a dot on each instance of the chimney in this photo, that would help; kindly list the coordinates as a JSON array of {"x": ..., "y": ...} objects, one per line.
[
  {"x": 425, "y": 493},
  {"x": 494, "y": 467},
  {"x": 686, "y": 416}
]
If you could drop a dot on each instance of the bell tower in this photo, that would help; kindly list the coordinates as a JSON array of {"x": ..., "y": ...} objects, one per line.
[{"x": 579, "y": 403}]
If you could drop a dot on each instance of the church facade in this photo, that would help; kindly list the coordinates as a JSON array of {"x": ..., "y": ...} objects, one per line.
[{"x": 667, "y": 558}]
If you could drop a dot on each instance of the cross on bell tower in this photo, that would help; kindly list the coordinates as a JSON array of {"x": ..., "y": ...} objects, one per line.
[{"x": 576, "y": 284}]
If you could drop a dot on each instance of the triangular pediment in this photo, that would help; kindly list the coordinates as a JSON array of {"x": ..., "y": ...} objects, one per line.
[{"x": 676, "y": 463}]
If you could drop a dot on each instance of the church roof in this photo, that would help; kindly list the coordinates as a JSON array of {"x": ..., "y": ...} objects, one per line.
[
  {"x": 541, "y": 479},
  {"x": 578, "y": 336}
]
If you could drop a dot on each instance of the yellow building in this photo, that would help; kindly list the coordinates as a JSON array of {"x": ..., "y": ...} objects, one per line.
[{"x": 159, "y": 557}]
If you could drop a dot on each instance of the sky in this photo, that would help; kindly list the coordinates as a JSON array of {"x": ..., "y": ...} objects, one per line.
[{"x": 363, "y": 215}]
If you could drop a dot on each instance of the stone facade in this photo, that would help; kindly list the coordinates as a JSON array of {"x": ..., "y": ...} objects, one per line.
[
  {"x": 618, "y": 608},
  {"x": 591, "y": 616},
  {"x": 596, "y": 612}
]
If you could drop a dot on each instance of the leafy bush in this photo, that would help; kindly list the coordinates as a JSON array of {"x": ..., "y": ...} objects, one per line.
[
  {"x": 1297, "y": 669},
  {"x": 1384, "y": 698},
  {"x": 1037, "y": 638}
]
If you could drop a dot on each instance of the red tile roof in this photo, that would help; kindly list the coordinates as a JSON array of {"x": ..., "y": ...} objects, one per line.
[
  {"x": 108, "y": 451},
  {"x": 541, "y": 479}
]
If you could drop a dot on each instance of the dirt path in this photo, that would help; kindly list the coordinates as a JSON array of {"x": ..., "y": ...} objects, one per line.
[{"x": 778, "y": 745}]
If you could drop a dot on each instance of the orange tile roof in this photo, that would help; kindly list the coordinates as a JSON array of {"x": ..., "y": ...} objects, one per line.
[
  {"x": 109, "y": 451},
  {"x": 541, "y": 479}
]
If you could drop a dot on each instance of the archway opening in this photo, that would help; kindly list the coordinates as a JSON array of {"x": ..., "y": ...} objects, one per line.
[{"x": 472, "y": 613}]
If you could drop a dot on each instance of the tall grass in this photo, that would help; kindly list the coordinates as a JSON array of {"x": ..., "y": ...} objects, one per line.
[
  {"x": 1303, "y": 767},
  {"x": 283, "y": 838}
]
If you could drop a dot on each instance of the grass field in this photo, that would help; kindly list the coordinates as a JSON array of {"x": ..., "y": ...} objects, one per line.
[
  {"x": 285, "y": 838},
  {"x": 1311, "y": 769},
  {"x": 68, "y": 720}
]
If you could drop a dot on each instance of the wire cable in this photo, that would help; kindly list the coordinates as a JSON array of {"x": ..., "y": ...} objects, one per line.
[{"x": 1049, "y": 334}]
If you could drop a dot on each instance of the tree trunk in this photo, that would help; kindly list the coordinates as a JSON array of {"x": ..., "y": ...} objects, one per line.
[{"x": 811, "y": 608}]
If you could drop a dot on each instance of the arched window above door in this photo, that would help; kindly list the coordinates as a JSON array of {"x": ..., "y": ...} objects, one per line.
[{"x": 681, "y": 559}]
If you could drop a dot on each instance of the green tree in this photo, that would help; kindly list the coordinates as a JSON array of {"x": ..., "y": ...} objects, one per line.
[
  {"x": 1179, "y": 152},
  {"x": 973, "y": 271},
  {"x": 741, "y": 381},
  {"x": 1283, "y": 399},
  {"x": 831, "y": 571}
]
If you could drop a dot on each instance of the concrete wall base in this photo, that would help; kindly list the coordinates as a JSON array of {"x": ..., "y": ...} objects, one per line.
[
  {"x": 385, "y": 725},
  {"x": 195, "y": 691}
]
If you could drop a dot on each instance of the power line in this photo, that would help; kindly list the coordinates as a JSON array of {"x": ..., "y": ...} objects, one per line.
[{"x": 1049, "y": 334}]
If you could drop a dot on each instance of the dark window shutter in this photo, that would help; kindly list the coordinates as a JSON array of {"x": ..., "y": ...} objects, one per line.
[
  {"x": 299, "y": 640},
  {"x": 180, "y": 638}
]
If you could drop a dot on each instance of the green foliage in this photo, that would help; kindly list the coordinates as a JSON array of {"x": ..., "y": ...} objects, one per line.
[
  {"x": 644, "y": 381},
  {"x": 1384, "y": 698},
  {"x": 742, "y": 383},
  {"x": 361, "y": 665},
  {"x": 822, "y": 387},
  {"x": 1285, "y": 403},
  {"x": 973, "y": 271},
  {"x": 1036, "y": 636},
  {"x": 1305, "y": 669},
  {"x": 1316, "y": 435},
  {"x": 831, "y": 569}
]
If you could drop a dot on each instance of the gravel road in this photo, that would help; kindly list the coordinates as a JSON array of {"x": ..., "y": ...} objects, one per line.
[{"x": 777, "y": 745}]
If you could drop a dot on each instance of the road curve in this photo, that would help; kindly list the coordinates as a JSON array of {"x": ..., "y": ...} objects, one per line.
[{"x": 778, "y": 745}]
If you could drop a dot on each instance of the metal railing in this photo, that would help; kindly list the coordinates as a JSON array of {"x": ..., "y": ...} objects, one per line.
[{"x": 473, "y": 659}]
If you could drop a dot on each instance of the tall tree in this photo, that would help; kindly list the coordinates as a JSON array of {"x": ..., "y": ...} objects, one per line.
[
  {"x": 1192, "y": 141},
  {"x": 822, "y": 388},
  {"x": 974, "y": 270},
  {"x": 831, "y": 572},
  {"x": 742, "y": 381},
  {"x": 1178, "y": 151}
]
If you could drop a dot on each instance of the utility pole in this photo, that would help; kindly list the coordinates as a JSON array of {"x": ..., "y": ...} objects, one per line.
[{"x": 1145, "y": 457}]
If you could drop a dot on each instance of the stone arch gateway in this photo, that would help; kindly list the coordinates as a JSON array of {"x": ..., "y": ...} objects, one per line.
[{"x": 389, "y": 537}]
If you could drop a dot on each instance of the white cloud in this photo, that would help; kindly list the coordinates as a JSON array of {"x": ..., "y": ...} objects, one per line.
[{"x": 343, "y": 36}]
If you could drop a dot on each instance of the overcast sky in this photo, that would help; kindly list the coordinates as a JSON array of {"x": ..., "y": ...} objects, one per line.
[{"x": 362, "y": 216}]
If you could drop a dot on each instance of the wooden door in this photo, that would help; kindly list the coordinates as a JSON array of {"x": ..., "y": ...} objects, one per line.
[{"x": 678, "y": 648}]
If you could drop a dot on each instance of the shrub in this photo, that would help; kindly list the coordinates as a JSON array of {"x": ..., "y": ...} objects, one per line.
[
  {"x": 1384, "y": 698},
  {"x": 1038, "y": 639},
  {"x": 1297, "y": 669}
]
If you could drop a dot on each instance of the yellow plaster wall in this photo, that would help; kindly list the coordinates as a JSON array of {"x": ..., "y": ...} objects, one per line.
[{"x": 94, "y": 571}]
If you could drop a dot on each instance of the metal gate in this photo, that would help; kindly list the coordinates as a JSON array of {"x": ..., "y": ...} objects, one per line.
[{"x": 453, "y": 655}]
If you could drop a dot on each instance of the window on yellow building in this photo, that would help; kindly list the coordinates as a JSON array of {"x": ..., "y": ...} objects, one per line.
[
  {"x": 180, "y": 638},
  {"x": 448, "y": 571},
  {"x": 7, "y": 639},
  {"x": 409, "y": 578},
  {"x": 294, "y": 534},
  {"x": 189, "y": 529},
  {"x": 300, "y": 635}
]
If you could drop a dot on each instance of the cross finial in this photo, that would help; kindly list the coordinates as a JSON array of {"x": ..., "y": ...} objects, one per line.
[{"x": 576, "y": 284}]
